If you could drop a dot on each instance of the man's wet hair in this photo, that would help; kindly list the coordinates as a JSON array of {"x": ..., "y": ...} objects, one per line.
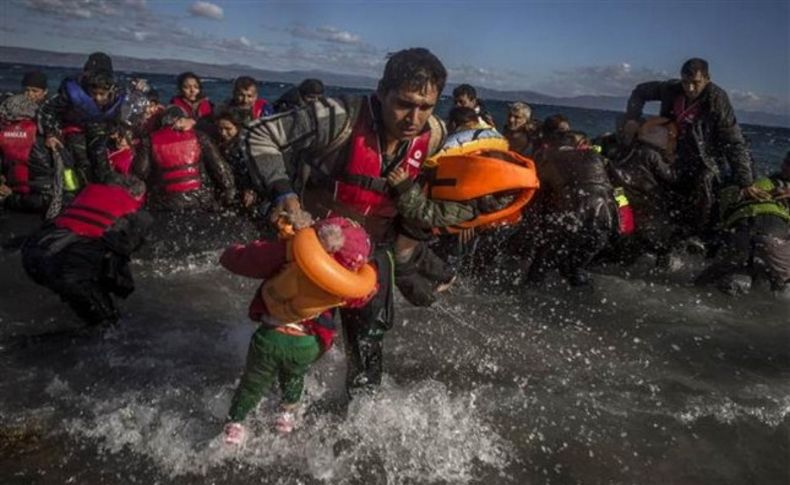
[
  {"x": 693, "y": 66},
  {"x": 552, "y": 124},
  {"x": 189, "y": 75},
  {"x": 465, "y": 90},
  {"x": 461, "y": 116},
  {"x": 572, "y": 139},
  {"x": 153, "y": 96},
  {"x": 311, "y": 87},
  {"x": 413, "y": 69},
  {"x": 243, "y": 82}
]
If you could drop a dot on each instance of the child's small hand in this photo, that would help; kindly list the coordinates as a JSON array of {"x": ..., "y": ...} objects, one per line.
[{"x": 397, "y": 176}]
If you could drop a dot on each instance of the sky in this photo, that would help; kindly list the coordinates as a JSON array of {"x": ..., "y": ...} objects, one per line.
[{"x": 559, "y": 48}]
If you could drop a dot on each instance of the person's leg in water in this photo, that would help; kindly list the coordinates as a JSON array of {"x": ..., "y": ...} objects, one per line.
[
  {"x": 303, "y": 352},
  {"x": 364, "y": 329},
  {"x": 260, "y": 371},
  {"x": 419, "y": 273}
]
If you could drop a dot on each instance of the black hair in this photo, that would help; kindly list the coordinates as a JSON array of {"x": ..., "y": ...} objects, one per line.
[
  {"x": 460, "y": 116},
  {"x": 98, "y": 61},
  {"x": 231, "y": 115},
  {"x": 189, "y": 75},
  {"x": 311, "y": 87},
  {"x": 552, "y": 123},
  {"x": 152, "y": 96},
  {"x": 571, "y": 139},
  {"x": 693, "y": 66},
  {"x": 98, "y": 80},
  {"x": 243, "y": 82},
  {"x": 413, "y": 69},
  {"x": 465, "y": 90}
]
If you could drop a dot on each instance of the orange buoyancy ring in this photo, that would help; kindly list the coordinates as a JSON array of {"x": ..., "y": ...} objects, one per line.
[
  {"x": 480, "y": 173},
  {"x": 312, "y": 281}
]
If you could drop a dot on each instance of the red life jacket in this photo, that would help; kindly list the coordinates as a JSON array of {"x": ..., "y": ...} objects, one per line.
[
  {"x": 121, "y": 160},
  {"x": 204, "y": 107},
  {"x": 257, "y": 108},
  {"x": 362, "y": 185},
  {"x": 16, "y": 141},
  {"x": 96, "y": 208},
  {"x": 683, "y": 115},
  {"x": 176, "y": 156}
]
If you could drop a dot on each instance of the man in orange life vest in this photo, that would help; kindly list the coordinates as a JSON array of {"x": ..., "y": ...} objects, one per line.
[
  {"x": 83, "y": 254},
  {"x": 711, "y": 150},
  {"x": 333, "y": 156}
]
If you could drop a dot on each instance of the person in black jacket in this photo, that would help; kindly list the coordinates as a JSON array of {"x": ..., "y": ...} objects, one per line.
[
  {"x": 83, "y": 254},
  {"x": 576, "y": 208},
  {"x": 711, "y": 149}
]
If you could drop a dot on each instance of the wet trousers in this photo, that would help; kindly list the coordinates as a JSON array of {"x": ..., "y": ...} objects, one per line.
[
  {"x": 273, "y": 356},
  {"x": 364, "y": 328}
]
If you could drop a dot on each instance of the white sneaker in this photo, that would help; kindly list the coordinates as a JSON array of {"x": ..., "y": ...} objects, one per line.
[
  {"x": 235, "y": 434},
  {"x": 285, "y": 422}
]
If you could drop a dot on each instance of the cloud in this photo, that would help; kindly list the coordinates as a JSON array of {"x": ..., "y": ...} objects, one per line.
[
  {"x": 749, "y": 101},
  {"x": 326, "y": 34},
  {"x": 207, "y": 9},
  {"x": 503, "y": 79},
  {"x": 80, "y": 9},
  {"x": 606, "y": 80}
]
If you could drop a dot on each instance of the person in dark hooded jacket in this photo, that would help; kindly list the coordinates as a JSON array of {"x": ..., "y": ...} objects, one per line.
[
  {"x": 576, "y": 207},
  {"x": 83, "y": 254},
  {"x": 711, "y": 149},
  {"x": 68, "y": 118}
]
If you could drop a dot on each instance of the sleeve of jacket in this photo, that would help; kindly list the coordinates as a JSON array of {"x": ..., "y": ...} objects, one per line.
[
  {"x": 218, "y": 169},
  {"x": 730, "y": 139},
  {"x": 416, "y": 208},
  {"x": 97, "y": 144},
  {"x": 258, "y": 259},
  {"x": 141, "y": 167},
  {"x": 277, "y": 144},
  {"x": 642, "y": 93},
  {"x": 51, "y": 113}
]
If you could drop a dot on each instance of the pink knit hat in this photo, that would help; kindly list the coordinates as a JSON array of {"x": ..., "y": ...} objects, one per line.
[{"x": 346, "y": 240}]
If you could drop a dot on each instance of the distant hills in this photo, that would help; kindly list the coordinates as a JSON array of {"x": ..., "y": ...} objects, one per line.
[{"x": 172, "y": 66}]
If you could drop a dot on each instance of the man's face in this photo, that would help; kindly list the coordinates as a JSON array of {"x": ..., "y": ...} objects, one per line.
[
  {"x": 100, "y": 96},
  {"x": 35, "y": 95},
  {"x": 694, "y": 85},
  {"x": 245, "y": 98},
  {"x": 405, "y": 112},
  {"x": 464, "y": 101},
  {"x": 516, "y": 119}
]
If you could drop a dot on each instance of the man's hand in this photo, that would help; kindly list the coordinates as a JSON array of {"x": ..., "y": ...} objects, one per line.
[
  {"x": 247, "y": 198},
  {"x": 756, "y": 193},
  {"x": 466, "y": 235},
  {"x": 292, "y": 208},
  {"x": 397, "y": 176},
  {"x": 53, "y": 143},
  {"x": 782, "y": 193}
]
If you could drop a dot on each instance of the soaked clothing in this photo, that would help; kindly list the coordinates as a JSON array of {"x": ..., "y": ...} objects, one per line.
[
  {"x": 86, "y": 272},
  {"x": 648, "y": 182},
  {"x": 305, "y": 151},
  {"x": 41, "y": 173},
  {"x": 711, "y": 149},
  {"x": 578, "y": 212},
  {"x": 217, "y": 184},
  {"x": 273, "y": 356}
]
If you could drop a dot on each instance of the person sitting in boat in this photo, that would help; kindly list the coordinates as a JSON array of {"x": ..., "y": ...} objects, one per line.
[
  {"x": 307, "y": 92},
  {"x": 92, "y": 99},
  {"x": 306, "y": 276},
  {"x": 83, "y": 254},
  {"x": 187, "y": 170},
  {"x": 27, "y": 175},
  {"x": 245, "y": 102},
  {"x": 229, "y": 126},
  {"x": 521, "y": 131},
  {"x": 190, "y": 97},
  {"x": 465, "y": 96},
  {"x": 755, "y": 235},
  {"x": 578, "y": 210}
]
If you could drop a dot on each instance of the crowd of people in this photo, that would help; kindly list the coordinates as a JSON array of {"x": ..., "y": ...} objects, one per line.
[{"x": 366, "y": 193}]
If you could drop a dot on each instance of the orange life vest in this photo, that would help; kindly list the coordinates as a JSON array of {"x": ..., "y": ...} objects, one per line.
[{"x": 312, "y": 281}]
